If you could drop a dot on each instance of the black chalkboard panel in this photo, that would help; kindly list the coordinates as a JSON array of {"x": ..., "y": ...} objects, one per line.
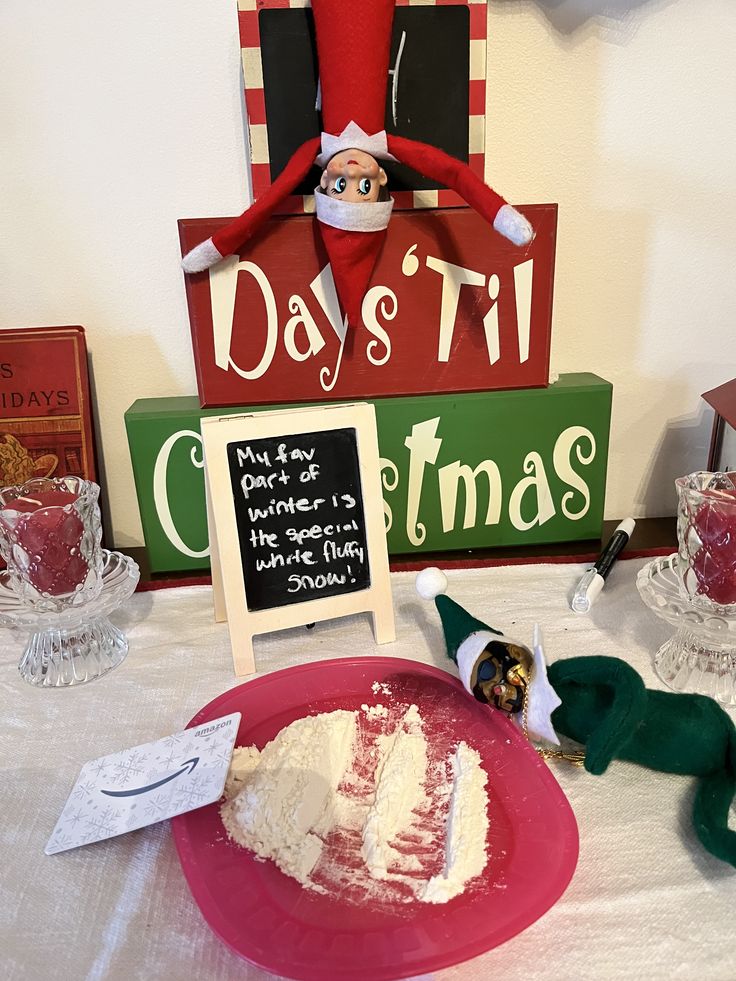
[
  {"x": 300, "y": 519},
  {"x": 290, "y": 73},
  {"x": 432, "y": 91}
]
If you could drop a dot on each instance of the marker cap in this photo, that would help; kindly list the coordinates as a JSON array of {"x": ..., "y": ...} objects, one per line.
[
  {"x": 627, "y": 526},
  {"x": 587, "y": 590}
]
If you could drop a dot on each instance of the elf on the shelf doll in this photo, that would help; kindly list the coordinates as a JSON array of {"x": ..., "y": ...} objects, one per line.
[
  {"x": 352, "y": 202},
  {"x": 602, "y": 703}
]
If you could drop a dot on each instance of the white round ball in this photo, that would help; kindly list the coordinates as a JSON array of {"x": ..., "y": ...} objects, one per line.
[{"x": 431, "y": 582}]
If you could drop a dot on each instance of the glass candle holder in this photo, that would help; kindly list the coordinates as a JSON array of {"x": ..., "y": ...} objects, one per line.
[
  {"x": 694, "y": 589},
  {"x": 706, "y": 534},
  {"x": 59, "y": 584},
  {"x": 50, "y": 535}
]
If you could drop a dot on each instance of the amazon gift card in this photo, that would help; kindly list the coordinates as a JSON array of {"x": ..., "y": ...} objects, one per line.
[{"x": 146, "y": 784}]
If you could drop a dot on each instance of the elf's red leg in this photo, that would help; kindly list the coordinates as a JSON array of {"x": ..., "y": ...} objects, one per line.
[
  {"x": 440, "y": 166},
  {"x": 233, "y": 236}
]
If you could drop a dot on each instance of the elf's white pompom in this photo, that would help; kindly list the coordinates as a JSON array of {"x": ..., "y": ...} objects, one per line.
[{"x": 431, "y": 582}]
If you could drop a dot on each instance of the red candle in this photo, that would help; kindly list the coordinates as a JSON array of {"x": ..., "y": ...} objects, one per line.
[
  {"x": 44, "y": 499},
  {"x": 714, "y": 563},
  {"x": 50, "y": 536}
]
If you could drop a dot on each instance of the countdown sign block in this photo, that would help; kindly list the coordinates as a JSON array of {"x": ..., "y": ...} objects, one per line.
[
  {"x": 457, "y": 472},
  {"x": 452, "y": 307}
]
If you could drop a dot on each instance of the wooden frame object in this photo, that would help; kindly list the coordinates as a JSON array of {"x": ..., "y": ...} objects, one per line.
[
  {"x": 722, "y": 452},
  {"x": 231, "y": 590}
]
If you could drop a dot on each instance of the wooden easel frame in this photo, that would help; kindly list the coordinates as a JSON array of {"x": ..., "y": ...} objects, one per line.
[{"x": 228, "y": 582}]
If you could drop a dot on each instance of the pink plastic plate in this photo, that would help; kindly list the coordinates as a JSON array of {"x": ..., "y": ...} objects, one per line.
[{"x": 270, "y": 920}]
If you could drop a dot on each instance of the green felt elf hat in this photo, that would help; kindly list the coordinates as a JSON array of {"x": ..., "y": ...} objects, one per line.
[{"x": 466, "y": 637}]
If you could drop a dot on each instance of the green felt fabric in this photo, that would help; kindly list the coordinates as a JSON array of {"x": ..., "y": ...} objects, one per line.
[
  {"x": 606, "y": 707},
  {"x": 457, "y": 623}
]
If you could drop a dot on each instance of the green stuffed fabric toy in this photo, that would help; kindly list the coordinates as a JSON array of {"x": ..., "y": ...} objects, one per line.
[{"x": 606, "y": 707}]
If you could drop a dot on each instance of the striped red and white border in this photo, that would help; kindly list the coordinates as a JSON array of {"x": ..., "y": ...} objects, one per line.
[{"x": 250, "y": 45}]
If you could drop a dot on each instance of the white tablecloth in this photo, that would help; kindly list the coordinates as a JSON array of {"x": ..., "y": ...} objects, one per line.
[{"x": 646, "y": 902}]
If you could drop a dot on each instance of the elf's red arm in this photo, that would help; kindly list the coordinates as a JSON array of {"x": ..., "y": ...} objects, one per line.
[
  {"x": 233, "y": 236},
  {"x": 440, "y": 166}
]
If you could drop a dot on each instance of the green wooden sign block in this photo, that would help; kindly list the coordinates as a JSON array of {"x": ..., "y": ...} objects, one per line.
[{"x": 463, "y": 471}]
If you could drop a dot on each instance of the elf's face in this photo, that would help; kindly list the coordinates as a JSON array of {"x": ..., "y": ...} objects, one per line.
[
  {"x": 353, "y": 175},
  {"x": 501, "y": 675}
]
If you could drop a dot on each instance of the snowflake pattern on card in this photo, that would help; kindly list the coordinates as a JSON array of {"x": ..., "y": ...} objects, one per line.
[
  {"x": 74, "y": 819},
  {"x": 167, "y": 759},
  {"x": 99, "y": 766},
  {"x": 131, "y": 766},
  {"x": 83, "y": 789},
  {"x": 146, "y": 784},
  {"x": 102, "y": 825},
  {"x": 157, "y": 806},
  {"x": 60, "y": 842},
  {"x": 191, "y": 796},
  {"x": 171, "y": 742}
]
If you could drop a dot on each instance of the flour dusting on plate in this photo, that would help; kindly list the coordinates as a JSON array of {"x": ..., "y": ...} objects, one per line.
[{"x": 361, "y": 805}]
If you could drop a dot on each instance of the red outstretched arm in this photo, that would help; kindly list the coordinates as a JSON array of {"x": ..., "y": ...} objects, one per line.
[
  {"x": 233, "y": 236},
  {"x": 440, "y": 166}
]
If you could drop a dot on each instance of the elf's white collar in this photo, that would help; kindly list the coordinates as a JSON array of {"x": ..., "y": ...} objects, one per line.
[
  {"x": 354, "y": 137},
  {"x": 543, "y": 699},
  {"x": 352, "y": 216}
]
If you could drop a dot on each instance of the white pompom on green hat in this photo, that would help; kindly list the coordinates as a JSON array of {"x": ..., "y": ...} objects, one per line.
[{"x": 466, "y": 636}]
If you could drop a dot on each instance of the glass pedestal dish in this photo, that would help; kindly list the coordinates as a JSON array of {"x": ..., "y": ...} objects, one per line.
[
  {"x": 77, "y": 644},
  {"x": 701, "y": 656}
]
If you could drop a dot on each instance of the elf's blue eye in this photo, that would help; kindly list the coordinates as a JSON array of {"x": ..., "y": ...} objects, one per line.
[
  {"x": 340, "y": 185},
  {"x": 364, "y": 186}
]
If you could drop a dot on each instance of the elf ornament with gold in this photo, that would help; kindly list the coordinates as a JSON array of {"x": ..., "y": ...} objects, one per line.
[
  {"x": 602, "y": 704},
  {"x": 492, "y": 667},
  {"x": 353, "y": 206}
]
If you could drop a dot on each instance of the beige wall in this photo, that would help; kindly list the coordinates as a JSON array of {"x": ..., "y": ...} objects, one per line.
[{"x": 118, "y": 118}]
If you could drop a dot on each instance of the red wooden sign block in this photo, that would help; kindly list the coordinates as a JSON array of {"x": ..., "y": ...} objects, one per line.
[{"x": 452, "y": 307}]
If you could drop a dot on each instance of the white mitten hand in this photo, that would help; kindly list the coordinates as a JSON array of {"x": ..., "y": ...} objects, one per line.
[
  {"x": 513, "y": 225},
  {"x": 201, "y": 257}
]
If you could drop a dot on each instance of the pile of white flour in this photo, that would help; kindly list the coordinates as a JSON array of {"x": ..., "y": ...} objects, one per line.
[{"x": 359, "y": 804}]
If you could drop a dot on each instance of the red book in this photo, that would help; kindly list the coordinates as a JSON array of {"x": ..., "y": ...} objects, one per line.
[{"x": 45, "y": 408}]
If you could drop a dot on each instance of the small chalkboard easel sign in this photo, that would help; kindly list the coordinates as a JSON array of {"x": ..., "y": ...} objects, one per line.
[{"x": 295, "y": 515}]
